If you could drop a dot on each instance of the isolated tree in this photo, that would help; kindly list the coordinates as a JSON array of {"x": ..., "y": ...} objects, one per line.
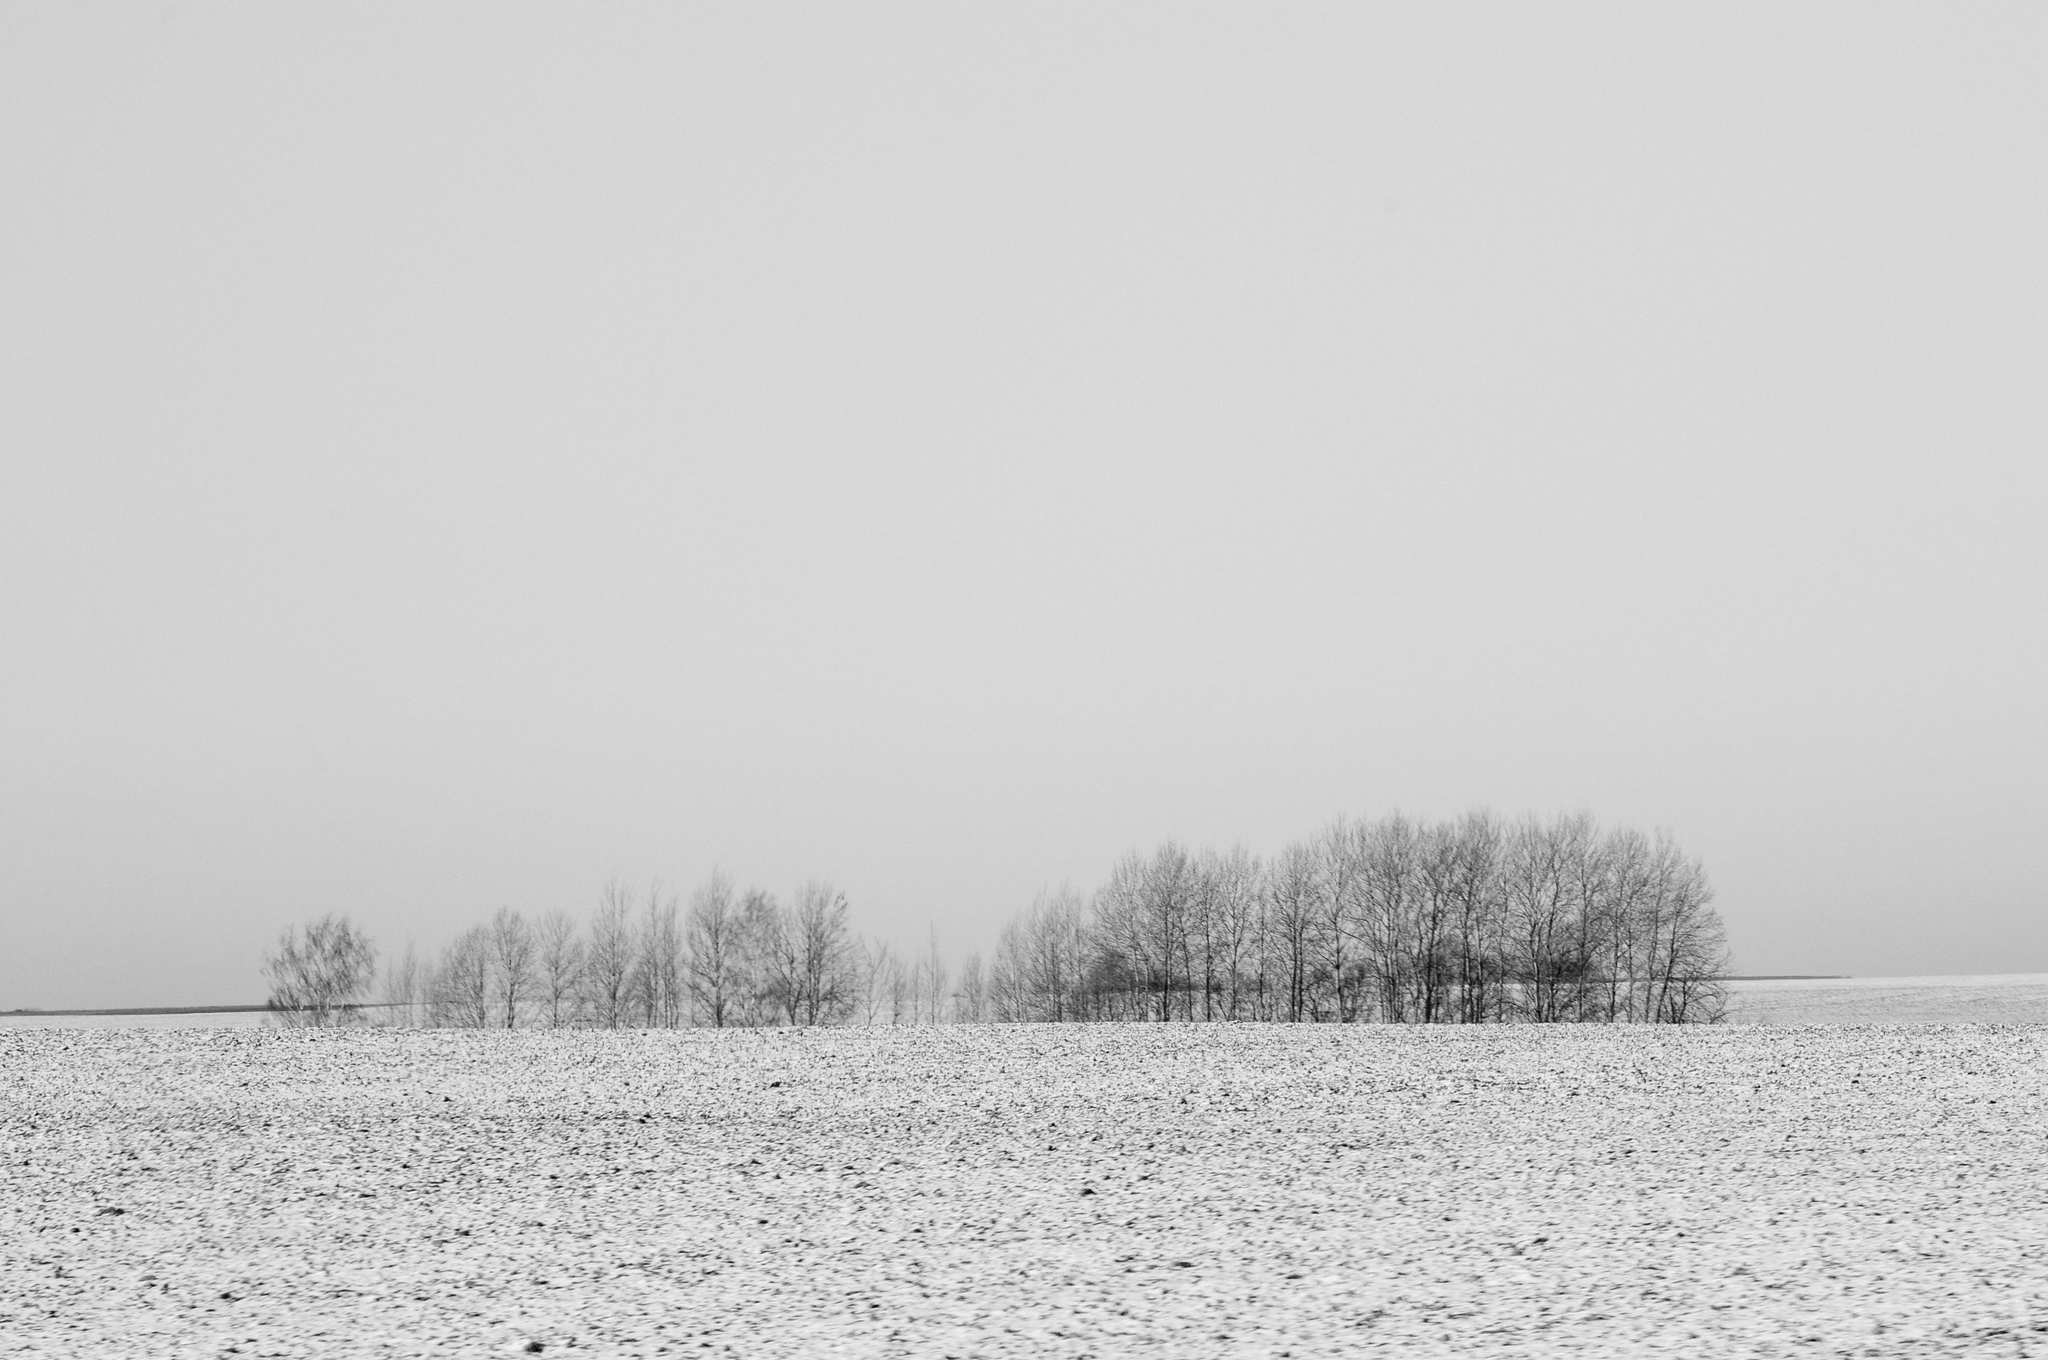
[
  {"x": 560, "y": 966},
  {"x": 318, "y": 973}
]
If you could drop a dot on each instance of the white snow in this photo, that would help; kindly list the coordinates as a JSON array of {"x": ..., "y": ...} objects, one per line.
[
  {"x": 1991, "y": 999},
  {"x": 1255, "y": 1191}
]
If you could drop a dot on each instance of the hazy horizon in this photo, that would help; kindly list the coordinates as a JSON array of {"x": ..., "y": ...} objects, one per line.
[{"x": 456, "y": 456}]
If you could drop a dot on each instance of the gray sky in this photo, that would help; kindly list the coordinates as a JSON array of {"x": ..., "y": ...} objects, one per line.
[{"x": 453, "y": 454}]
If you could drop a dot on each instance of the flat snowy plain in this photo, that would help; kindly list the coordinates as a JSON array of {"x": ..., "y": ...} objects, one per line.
[
  {"x": 1055, "y": 1190},
  {"x": 1984, "y": 999}
]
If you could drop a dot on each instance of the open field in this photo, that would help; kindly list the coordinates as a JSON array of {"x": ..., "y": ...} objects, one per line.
[
  {"x": 117, "y": 1020},
  {"x": 1103, "y": 1190},
  {"x": 1996, "y": 999}
]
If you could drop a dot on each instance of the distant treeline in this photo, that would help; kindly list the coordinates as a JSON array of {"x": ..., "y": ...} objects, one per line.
[{"x": 1397, "y": 921}]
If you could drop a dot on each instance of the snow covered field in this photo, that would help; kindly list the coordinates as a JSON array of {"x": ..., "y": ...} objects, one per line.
[
  {"x": 1108, "y": 1190},
  {"x": 175, "y": 1020},
  {"x": 1984, "y": 999}
]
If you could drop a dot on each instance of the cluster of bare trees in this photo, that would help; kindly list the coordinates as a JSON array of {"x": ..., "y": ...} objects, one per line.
[
  {"x": 649, "y": 961},
  {"x": 1459, "y": 922}
]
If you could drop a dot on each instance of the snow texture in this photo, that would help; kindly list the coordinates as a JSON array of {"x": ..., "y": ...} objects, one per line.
[
  {"x": 1991, "y": 999},
  {"x": 1029, "y": 1190}
]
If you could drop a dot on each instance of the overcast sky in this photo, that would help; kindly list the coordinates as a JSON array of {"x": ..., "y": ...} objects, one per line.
[{"x": 454, "y": 454}]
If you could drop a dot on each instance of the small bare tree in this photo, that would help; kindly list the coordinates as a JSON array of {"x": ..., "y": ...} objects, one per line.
[
  {"x": 319, "y": 973},
  {"x": 1237, "y": 882},
  {"x": 561, "y": 967},
  {"x": 459, "y": 996},
  {"x": 931, "y": 982},
  {"x": 608, "y": 961},
  {"x": 657, "y": 981},
  {"x": 774, "y": 965},
  {"x": 875, "y": 959},
  {"x": 970, "y": 998},
  {"x": 402, "y": 987},
  {"x": 711, "y": 935},
  {"x": 511, "y": 962},
  {"x": 822, "y": 952},
  {"x": 896, "y": 986}
]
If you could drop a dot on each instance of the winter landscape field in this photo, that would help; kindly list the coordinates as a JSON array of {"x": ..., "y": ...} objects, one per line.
[
  {"x": 1982, "y": 999},
  {"x": 1027, "y": 1190}
]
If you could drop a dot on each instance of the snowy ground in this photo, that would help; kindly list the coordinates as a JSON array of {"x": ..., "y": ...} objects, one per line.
[
  {"x": 1107, "y": 1191},
  {"x": 182, "y": 1020},
  {"x": 2000, "y": 999}
]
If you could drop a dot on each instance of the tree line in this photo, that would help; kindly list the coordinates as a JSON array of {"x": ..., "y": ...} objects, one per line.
[
  {"x": 649, "y": 960},
  {"x": 1458, "y": 922},
  {"x": 1468, "y": 921}
]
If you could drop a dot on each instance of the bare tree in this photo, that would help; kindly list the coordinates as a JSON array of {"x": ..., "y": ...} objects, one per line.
[
  {"x": 319, "y": 973},
  {"x": 970, "y": 997},
  {"x": 774, "y": 960},
  {"x": 1385, "y": 888},
  {"x": 930, "y": 984},
  {"x": 1296, "y": 918},
  {"x": 1135, "y": 956},
  {"x": 823, "y": 974},
  {"x": 1687, "y": 953},
  {"x": 899, "y": 991},
  {"x": 561, "y": 967},
  {"x": 712, "y": 937},
  {"x": 1542, "y": 930},
  {"x": 1480, "y": 926},
  {"x": 511, "y": 963},
  {"x": 657, "y": 979},
  {"x": 874, "y": 958},
  {"x": 459, "y": 995},
  {"x": 402, "y": 988},
  {"x": 1339, "y": 915},
  {"x": 1235, "y": 891},
  {"x": 608, "y": 961}
]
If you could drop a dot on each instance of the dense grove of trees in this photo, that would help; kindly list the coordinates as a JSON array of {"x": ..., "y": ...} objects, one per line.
[
  {"x": 1395, "y": 921},
  {"x": 1398, "y": 921}
]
